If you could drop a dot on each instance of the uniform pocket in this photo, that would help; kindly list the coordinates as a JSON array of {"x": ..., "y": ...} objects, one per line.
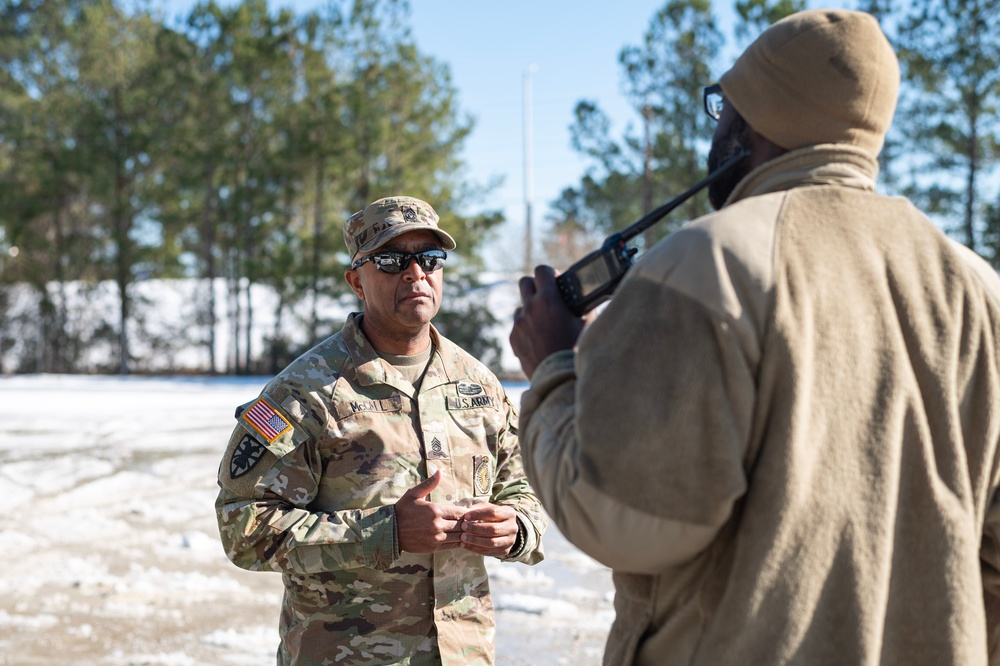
[{"x": 370, "y": 457}]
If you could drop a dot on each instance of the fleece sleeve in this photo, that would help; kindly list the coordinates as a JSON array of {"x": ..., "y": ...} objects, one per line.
[
  {"x": 636, "y": 443},
  {"x": 990, "y": 566}
]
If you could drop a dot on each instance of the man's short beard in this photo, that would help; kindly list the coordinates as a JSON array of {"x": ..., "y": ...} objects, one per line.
[{"x": 736, "y": 139}]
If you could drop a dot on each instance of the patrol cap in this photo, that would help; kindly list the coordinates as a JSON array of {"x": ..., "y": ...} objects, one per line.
[
  {"x": 382, "y": 220},
  {"x": 818, "y": 76}
]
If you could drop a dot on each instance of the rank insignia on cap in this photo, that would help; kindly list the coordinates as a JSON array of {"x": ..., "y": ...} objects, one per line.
[
  {"x": 265, "y": 420},
  {"x": 481, "y": 474},
  {"x": 246, "y": 454}
]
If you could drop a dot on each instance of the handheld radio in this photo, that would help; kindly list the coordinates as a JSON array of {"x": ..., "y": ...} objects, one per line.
[{"x": 591, "y": 281}]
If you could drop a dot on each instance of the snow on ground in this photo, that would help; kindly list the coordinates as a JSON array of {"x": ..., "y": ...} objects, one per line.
[{"x": 110, "y": 548}]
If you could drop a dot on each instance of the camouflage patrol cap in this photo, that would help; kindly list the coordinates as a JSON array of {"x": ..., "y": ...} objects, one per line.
[{"x": 383, "y": 220}]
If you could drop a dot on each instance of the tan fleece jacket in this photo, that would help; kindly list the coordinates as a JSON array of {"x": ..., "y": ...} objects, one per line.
[{"x": 782, "y": 433}]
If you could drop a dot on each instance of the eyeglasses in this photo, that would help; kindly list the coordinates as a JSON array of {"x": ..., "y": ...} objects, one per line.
[
  {"x": 396, "y": 262},
  {"x": 714, "y": 101}
]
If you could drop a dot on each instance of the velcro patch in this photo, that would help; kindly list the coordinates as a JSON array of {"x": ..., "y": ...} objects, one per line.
[
  {"x": 474, "y": 402},
  {"x": 390, "y": 404},
  {"x": 470, "y": 389},
  {"x": 265, "y": 420},
  {"x": 246, "y": 454},
  {"x": 482, "y": 476},
  {"x": 436, "y": 449}
]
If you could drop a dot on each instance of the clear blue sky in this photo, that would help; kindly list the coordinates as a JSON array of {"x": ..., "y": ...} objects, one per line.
[{"x": 488, "y": 46}]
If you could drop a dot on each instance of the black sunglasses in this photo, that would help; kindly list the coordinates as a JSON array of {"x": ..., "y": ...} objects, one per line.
[{"x": 396, "y": 262}]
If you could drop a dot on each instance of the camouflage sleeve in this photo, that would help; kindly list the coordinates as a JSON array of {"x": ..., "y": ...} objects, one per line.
[
  {"x": 511, "y": 488},
  {"x": 264, "y": 518}
]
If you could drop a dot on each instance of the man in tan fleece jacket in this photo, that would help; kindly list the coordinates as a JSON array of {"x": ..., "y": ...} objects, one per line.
[{"x": 782, "y": 433}]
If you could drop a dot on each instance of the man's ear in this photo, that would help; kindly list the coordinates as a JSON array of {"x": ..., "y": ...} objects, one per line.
[{"x": 354, "y": 280}]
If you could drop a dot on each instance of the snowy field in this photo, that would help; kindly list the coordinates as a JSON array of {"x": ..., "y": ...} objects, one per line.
[{"x": 109, "y": 546}]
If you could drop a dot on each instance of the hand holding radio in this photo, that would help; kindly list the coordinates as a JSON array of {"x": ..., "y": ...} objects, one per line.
[
  {"x": 591, "y": 281},
  {"x": 550, "y": 317},
  {"x": 543, "y": 324}
]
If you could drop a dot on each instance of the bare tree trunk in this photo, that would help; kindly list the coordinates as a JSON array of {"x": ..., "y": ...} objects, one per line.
[
  {"x": 121, "y": 223},
  {"x": 233, "y": 279},
  {"x": 647, "y": 173},
  {"x": 247, "y": 332},
  {"x": 248, "y": 251},
  {"x": 60, "y": 347},
  {"x": 970, "y": 183},
  {"x": 317, "y": 249},
  {"x": 276, "y": 332},
  {"x": 209, "y": 238},
  {"x": 121, "y": 227}
]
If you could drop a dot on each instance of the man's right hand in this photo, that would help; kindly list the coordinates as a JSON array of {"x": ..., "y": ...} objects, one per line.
[
  {"x": 423, "y": 526},
  {"x": 543, "y": 324}
]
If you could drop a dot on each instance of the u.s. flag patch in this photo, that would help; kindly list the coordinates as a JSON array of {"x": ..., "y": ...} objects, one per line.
[{"x": 265, "y": 420}]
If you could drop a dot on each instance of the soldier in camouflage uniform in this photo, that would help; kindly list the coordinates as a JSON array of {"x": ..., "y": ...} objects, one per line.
[{"x": 378, "y": 469}]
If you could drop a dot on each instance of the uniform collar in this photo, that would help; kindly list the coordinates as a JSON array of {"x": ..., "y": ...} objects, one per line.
[{"x": 372, "y": 369}]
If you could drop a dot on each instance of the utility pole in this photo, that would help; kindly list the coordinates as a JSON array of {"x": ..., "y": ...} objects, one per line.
[{"x": 529, "y": 265}]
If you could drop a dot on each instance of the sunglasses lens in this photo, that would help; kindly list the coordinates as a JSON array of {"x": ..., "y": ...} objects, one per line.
[
  {"x": 390, "y": 262},
  {"x": 396, "y": 262},
  {"x": 431, "y": 260}
]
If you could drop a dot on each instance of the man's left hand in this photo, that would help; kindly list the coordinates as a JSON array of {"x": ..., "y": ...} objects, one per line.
[{"x": 489, "y": 529}]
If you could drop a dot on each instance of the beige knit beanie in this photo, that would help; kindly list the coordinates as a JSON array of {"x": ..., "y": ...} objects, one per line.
[{"x": 818, "y": 76}]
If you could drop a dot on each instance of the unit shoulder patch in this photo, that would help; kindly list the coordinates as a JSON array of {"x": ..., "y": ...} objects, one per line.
[{"x": 246, "y": 454}]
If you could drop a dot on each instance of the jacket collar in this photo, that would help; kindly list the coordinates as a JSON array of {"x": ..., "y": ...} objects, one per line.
[{"x": 829, "y": 164}]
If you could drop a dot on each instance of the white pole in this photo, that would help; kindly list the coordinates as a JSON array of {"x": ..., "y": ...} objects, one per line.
[{"x": 529, "y": 265}]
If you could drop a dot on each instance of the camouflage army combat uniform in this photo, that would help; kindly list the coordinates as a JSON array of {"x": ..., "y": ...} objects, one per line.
[{"x": 308, "y": 484}]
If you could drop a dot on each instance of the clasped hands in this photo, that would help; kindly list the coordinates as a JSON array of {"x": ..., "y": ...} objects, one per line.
[{"x": 423, "y": 526}]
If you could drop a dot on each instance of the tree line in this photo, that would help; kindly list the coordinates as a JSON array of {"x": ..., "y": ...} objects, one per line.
[
  {"x": 941, "y": 151},
  {"x": 231, "y": 146}
]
